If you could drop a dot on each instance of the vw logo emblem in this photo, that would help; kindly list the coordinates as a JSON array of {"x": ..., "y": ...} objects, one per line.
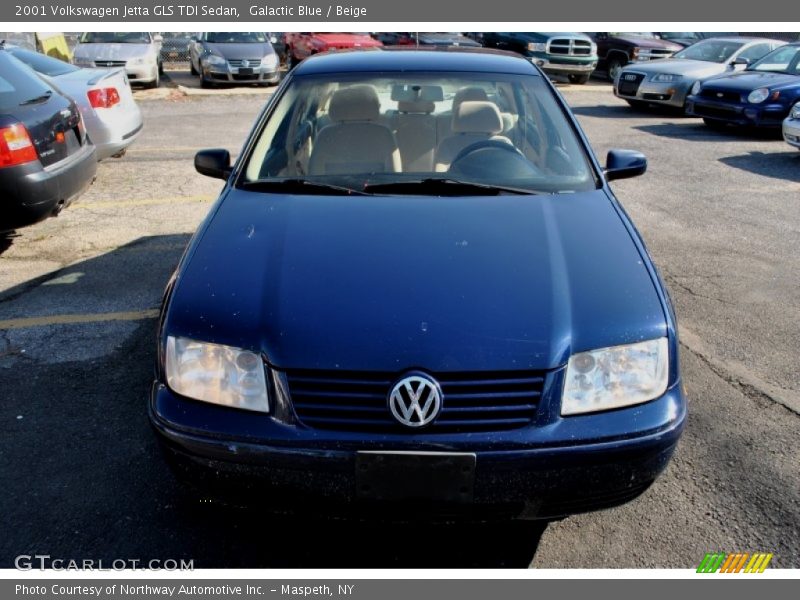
[
  {"x": 415, "y": 400},
  {"x": 245, "y": 63}
]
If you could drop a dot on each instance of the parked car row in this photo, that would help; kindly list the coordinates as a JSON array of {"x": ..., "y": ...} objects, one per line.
[{"x": 56, "y": 121}]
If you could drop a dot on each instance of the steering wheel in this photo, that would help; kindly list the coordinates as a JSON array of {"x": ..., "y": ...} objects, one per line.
[{"x": 493, "y": 159}]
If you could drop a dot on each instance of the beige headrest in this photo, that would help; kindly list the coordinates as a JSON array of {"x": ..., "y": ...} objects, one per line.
[
  {"x": 420, "y": 106},
  {"x": 468, "y": 94},
  {"x": 477, "y": 117},
  {"x": 355, "y": 103}
]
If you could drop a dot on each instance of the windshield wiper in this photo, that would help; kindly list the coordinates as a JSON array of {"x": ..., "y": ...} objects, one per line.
[
  {"x": 445, "y": 186},
  {"x": 37, "y": 99},
  {"x": 302, "y": 186}
]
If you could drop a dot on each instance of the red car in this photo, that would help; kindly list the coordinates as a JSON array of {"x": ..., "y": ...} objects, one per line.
[{"x": 303, "y": 45}]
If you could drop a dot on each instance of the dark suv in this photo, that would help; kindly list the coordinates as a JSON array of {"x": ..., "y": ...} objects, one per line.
[
  {"x": 570, "y": 54},
  {"x": 615, "y": 50}
]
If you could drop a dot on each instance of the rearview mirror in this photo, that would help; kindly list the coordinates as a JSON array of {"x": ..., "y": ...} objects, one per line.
[
  {"x": 215, "y": 162},
  {"x": 621, "y": 164}
]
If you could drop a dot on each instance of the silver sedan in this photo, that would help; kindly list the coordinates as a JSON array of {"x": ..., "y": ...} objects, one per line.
[
  {"x": 668, "y": 81},
  {"x": 111, "y": 116},
  {"x": 791, "y": 127}
]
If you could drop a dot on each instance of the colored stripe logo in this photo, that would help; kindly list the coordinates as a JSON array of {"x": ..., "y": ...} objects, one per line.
[{"x": 739, "y": 562}]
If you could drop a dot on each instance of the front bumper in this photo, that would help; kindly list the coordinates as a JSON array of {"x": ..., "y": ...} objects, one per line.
[
  {"x": 32, "y": 192},
  {"x": 768, "y": 115},
  {"x": 224, "y": 74},
  {"x": 791, "y": 132},
  {"x": 563, "y": 66},
  {"x": 666, "y": 94},
  {"x": 575, "y": 464},
  {"x": 141, "y": 73}
]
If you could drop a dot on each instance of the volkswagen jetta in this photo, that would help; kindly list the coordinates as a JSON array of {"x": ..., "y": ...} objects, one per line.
[{"x": 417, "y": 286}]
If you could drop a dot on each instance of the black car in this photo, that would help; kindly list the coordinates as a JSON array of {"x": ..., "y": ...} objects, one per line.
[{"x": 46, "y": 158}]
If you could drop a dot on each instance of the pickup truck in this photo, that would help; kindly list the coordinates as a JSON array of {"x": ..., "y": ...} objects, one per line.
[
  {"x": 615, "y": 50},
  {"x": 570, "y": 54}
]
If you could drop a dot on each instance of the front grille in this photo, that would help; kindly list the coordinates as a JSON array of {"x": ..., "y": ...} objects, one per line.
[
  {"x": 253, "y": 63},
  {"x": 569, "y": 47},
  {"x": 470, "y": 401},
  {"x": 629, "y": 83},
  {"x": 721, "y": 95},
  {"x": 109, "y": 63},
  {"x": 655, "y": 53}
]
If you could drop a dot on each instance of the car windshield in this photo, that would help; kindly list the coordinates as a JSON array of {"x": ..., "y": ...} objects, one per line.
[
  {"x": 634, "y": 34},
  {"x": 236, "y": 37},
  {"x": 783, "y": 60},
  {"x": 401, "y": 132},
  {"x": 717, "y": 51},
  {"x": 41, "y": 63},
  {"x": 112, "y": 37}
]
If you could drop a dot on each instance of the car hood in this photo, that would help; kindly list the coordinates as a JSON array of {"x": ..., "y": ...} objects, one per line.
[
  {"x": 112, "y": 51},
  {"x": 679, "y": 66},
  {"x": 393, "y": 283},
  {"x": 643, "y": 42},
  {"x": 751, "y": 80},
  {"x": 346, "y": 40},
  {"x": 238, "y": 51}
]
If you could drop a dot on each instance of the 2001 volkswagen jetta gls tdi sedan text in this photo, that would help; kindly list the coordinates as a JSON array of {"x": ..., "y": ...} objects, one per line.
[{"x": 417, "y": 286}]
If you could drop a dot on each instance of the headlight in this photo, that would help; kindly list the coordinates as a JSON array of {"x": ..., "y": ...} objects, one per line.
[
  {"x": 270, "y": 61},
  {"x": 537, "y": 47},
  {"x": 758, "y": 95},
  {"x": 795, "y": 114},
  {"x": 696, "y": 88},
  {"x": 614, "y": 377},
  {"x": 666, "y": 78},
  {"x": 139, "y": 60},
  {"x": 593, "y": 49},
  {"x": 214, "y": 59},
  {"x": 217, "y": 374}
]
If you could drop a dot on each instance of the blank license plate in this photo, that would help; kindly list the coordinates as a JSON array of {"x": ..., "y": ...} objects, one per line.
[
  {"x": 245, "y": 71},
  {"x": 434, "y": 476}
]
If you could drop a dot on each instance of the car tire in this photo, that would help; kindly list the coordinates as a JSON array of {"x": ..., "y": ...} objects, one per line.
[
  {"x": 160, "y": 68},
  {"x": 192, "y": 70},
  {"x": 578, "y": 79},
  {"x": 205, "y": 83},
  {"x": 614, "y": 66}
]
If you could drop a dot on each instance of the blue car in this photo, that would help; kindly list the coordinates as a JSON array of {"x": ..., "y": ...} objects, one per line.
[
  {"x": 760, "y": 96},
  {"x": 417, "y": 297}
]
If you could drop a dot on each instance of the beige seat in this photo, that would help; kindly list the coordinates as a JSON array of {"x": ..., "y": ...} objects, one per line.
[
  {"x": 473, "y": 121},
  {"x": 470, "y": 94},
  {"x": 415, "y": 129},
  {"x": 355, "y": 141}
]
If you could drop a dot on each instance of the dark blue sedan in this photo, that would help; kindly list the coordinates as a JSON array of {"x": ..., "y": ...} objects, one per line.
[
  {"x": 761, "y": 96},
  {"x": 418, "y": 295}
]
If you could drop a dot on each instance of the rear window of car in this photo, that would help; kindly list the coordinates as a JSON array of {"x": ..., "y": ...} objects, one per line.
[
  {"x": 41, "y": 63},
  {"x": 18, "y": 83}
]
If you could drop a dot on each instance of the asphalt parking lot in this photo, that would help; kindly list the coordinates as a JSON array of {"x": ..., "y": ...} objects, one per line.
[{"x": 79, "y": 293}]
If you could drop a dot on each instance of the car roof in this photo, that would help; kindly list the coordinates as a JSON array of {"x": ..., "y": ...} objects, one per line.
[
  {"x": 741, "y": 38},
  {"x": 477, "y": 60}
]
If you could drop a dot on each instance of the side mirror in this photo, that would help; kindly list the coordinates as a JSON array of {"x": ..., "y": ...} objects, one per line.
[
  {"x": 621, "y": 164},
  {"x": 741, "y": 62},
  {"x": 215, "y": 162}
]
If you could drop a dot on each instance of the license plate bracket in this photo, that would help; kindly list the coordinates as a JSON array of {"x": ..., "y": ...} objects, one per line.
[
  {"x": 245, "y": 70},
  {"x": 415, "y": 476}
]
